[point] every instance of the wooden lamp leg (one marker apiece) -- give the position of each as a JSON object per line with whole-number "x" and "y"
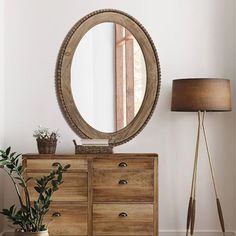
{"x": 220, "y": 213}
{"x": 192, "y": 199}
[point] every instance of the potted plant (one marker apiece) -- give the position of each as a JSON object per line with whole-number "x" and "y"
{"x": 29, "y": 215}
{"x": 46, "y": 140}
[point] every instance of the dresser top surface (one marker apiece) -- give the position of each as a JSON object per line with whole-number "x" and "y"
{"x": 77, "y": 156}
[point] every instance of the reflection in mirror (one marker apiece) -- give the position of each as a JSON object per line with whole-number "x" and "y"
{"x": 108, "y": 77}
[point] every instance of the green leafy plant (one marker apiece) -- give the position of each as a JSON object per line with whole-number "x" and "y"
{"x": 29, "y": 215}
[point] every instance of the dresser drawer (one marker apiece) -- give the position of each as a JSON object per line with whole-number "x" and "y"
{"x": 74, "y": 187}
{"x": 67, "y": 219}
{"x": 123, "y": 219}
{"x": 45, "y": 165}
{"x": 123, "y": 164}
{"x": 123, "y": 186}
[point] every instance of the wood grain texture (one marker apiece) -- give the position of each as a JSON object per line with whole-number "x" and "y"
{"x": 74, "y": 188}
{"x": 156, "y": 201}
{"x": 91, "y": 198}
{"x": 86, "y": 157}
{"x": 115, "y": 164}
{"x": 107, "y": 186}
{"x": 139, "y": 219}
{"x": 72, "y": 219}
{"x": 47, "y": 165}
{"x": 63, "y": 76}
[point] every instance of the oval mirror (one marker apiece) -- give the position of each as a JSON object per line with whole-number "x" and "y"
{"x": 107, "y": 76}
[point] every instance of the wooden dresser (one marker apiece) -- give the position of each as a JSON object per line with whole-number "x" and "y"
{"x": 115, "y": 194}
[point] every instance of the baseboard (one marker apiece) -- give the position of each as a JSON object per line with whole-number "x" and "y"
{"x": 166, "y": 233}
{"x": 197, "y": 233}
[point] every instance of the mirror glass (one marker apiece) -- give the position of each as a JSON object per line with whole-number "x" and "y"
{"x": 108, "y": 77}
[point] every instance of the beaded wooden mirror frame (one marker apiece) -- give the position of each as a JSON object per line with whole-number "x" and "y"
{"x": 63, "y": 76}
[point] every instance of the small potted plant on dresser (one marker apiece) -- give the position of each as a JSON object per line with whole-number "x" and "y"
{"x": 29, "y": 216}
{"x": 46, "y": 140}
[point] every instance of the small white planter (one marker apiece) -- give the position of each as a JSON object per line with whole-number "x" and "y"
{"x": 41, "y": 233}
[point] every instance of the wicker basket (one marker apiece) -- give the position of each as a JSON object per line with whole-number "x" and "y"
{"x": 83, "y": 149}
{"x": 46, "y": 146}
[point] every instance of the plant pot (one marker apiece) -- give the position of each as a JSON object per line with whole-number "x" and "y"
{"x": 40, "y": 233}
{"x": 46, "y": 146}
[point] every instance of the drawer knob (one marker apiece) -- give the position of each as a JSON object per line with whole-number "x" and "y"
{"x": 123, "y": 214}
{"x": 123, "y": 164}
{"x": 123, "y": 182}
{"x": 56, "y": 214}
{"x": 55, "y": 164}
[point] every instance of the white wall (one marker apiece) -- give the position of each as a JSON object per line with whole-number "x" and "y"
{"x": 194, "y": 38}
{"x": 1, "y": 98}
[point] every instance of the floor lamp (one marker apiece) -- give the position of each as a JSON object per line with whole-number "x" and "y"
{"x": 201, "y": 95}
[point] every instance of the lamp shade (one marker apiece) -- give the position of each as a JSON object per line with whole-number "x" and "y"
{"x": 201, "y": 94}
